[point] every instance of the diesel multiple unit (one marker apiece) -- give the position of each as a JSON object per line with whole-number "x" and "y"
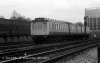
{"x": 49, "y": 29}
{"x": 14, "y": 30}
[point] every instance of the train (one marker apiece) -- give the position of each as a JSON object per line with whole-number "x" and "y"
{"x": 40, "y": 30}
{"x": 12, "y": 30}
{"x": 55, "y": 30}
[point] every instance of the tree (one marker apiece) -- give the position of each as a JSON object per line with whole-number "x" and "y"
{"x": 80, "y": 24}
{"x": 15, "y": 15}
{"x": 28, "y": 19}
{"x": 2, "y": 17}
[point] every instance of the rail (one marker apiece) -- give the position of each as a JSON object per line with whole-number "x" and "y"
{"x": 46, "y": 49}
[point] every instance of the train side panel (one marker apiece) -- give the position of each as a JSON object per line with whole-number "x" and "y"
{"x": 73, "y": 30}
{"x": 58, "y": 28}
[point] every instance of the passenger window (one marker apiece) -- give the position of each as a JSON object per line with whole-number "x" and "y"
{"x": 61, "y": 27}
{"x": 57, "y": 26}
{"x": 64, "y": 27}
{"x": 33, "y": 25}
{"x": 49, "y": 26}
{"x": 52, "y": 26}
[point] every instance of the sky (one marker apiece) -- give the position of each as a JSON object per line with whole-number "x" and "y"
{"x": 66, "y": 10}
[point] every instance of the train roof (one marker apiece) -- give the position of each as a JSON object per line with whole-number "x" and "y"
{"x": 51, "y": 20}
{"x": 14, "y": 20}
{"x": 48, "y": 20}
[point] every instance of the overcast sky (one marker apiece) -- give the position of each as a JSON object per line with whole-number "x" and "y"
{"x": 68, "y": 10}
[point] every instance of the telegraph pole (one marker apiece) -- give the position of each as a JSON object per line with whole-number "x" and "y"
{"x": 85, "y": 24}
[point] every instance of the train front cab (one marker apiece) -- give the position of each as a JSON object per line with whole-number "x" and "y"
{"x": 39, "y": 30}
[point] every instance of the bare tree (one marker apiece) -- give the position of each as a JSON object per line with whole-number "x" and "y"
{"x": 15, "y": 15}
{"x": 80, "y": 24}
{"x": 28, "y": 19}
{"x": 2, "y": 17}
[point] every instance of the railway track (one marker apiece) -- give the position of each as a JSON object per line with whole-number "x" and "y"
{"x": 18, "y": 45}
{"x": 11, "y": 45}
{"x": 22, "y": 46}
{"x": 55, "y": 57}
{"x": 35, "y": 51}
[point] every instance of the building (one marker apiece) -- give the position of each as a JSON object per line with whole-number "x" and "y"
{"x": 93, "y": 20}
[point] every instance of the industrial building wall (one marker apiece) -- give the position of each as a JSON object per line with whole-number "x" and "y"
{"x": 93, "y": 20}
